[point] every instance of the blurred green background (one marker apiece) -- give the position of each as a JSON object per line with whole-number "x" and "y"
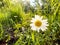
{"x": 15, "y": 19}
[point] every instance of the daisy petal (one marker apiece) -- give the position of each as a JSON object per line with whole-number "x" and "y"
{"x": 38, "y": 23}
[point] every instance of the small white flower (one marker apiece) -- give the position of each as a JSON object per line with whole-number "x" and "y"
{"x": 38, "y": 23}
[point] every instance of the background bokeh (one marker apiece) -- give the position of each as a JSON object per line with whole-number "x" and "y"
{"x": 15, "y": 19}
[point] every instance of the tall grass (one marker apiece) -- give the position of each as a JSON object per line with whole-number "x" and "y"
{"x": 15, "y": 23}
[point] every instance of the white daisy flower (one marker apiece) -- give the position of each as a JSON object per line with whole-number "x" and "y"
{"x": 38, "y": 23}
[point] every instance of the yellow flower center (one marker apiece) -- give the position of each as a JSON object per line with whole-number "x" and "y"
{"x": 38, "y": 23}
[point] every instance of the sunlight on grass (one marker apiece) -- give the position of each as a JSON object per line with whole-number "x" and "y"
{"x": 17, "y": 15}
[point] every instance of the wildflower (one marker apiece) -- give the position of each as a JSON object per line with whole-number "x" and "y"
{"x": 38, "y": 23}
